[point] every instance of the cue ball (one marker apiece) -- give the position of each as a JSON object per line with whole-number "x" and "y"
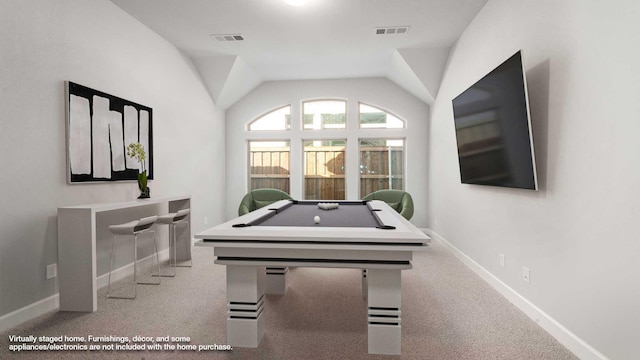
{"x": 316, "y": 219}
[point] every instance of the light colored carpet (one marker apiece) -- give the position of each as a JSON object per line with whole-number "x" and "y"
{"x": 448, "y": 312}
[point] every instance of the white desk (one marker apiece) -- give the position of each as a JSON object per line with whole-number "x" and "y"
{"x": 284, "y": 234}
{"x": 77, "y": 236}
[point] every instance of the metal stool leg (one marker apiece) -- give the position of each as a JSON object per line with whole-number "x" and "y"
{"x": 174, "y": 243}
{"x": 134, "y": 228}
{"x": 172, "y": 248}
{"x": 155, "y": 246}
{"x": 113, "y": 245}
{"x": 135, "y": 293}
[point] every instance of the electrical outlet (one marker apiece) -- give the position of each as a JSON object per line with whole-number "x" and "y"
{"x": 502, "y": 260}
{"x": 206, "y": 220}
{"x": 526, "y": 275}
{"x": 52, "y": 271}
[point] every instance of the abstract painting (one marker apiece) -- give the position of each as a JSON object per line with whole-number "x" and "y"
{"x": 99, "y": 129}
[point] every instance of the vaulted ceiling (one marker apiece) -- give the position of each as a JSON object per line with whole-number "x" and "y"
{"x": 324, "y": 39}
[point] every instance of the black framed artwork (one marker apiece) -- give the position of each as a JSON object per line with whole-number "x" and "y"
{"x": 99, "y": 129}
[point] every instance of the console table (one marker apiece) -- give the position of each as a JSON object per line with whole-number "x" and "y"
{"x": 78, "y": 231}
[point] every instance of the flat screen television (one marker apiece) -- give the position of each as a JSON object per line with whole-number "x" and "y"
{"x": 493, "y": 129}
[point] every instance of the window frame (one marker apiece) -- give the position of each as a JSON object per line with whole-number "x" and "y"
{"x": 342, "y": 176}
{"x": 404, "y": 122}
{"x": 250, "y": 176}
{"x": 322, "y": 127}
{"x": 259, "y": 117}
{"x": 389, "y": 176}
{"x": 352, "y": 134}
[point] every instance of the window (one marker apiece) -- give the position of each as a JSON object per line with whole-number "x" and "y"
{"x": 302, "y": 150}
{"x": 374, "y": 118}
{"x": 279, "y": 119}
{"x": 269, "y": 165}
{"x": 381, "y": 165}
{"x": 324, "y": 114}
{"x": 324, "y": 163}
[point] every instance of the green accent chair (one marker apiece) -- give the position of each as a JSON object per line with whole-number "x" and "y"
{"x": 255, "y": 199}
{"x": 399, "y": 200}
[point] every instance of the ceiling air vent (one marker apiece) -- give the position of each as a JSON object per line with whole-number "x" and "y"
{"x": 227, "y": 37}
{"x": 391, "y": 30}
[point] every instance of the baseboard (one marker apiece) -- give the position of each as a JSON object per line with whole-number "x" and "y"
{"x": 568, "y": 339}
{"x": 52, "y": 302}
{"x": 29, "y": 312}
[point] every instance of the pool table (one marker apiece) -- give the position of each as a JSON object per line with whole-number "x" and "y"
{"x": 362, "y": 235}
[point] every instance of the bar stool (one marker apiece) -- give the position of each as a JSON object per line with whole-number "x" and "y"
{"x": 174, "y": 219}
{"x": 134, "y": 228}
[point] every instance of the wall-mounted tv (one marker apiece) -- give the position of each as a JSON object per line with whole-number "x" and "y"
{"x": 493, "y": 129}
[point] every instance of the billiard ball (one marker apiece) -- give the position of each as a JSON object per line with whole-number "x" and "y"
{"x": 316, "y": 219}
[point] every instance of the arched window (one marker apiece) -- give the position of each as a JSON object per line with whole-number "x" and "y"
{"x": 374, "y": 118}
{"x": 279, "y": 119}
{"x": 324, "y": 114}
{"x": 312, "y": 157}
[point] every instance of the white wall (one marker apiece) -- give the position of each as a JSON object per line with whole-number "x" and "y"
{"x": 378, "y": 92}
{"x": 93, "y": 43}
{"x": 578, "y": 233}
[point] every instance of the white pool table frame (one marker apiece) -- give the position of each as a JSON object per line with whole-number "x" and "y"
{"x": 383, "y": 254}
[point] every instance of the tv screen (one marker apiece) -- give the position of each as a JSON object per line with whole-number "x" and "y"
{"x": 493, "y": 129}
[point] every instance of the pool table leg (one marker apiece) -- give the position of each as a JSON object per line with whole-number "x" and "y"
{"x": 245, "y": 305}
{"x": 276, "y": 280}
{"x": 384, "y": 311}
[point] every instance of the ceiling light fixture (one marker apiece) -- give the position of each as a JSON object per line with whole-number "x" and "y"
{"x": 295, "y": 2}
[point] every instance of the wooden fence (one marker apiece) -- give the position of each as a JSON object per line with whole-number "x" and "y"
{"x": 270, "y": 169}
{"x": 325, "y": 171}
